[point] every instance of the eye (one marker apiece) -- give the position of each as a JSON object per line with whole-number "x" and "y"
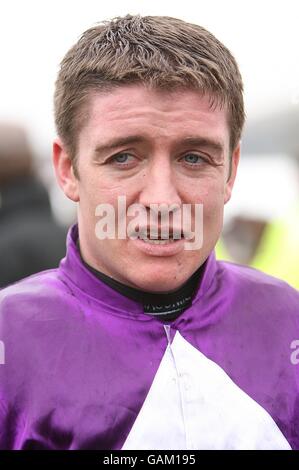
{"x": 193, "y": 159}
{"x": 121, "y": 158}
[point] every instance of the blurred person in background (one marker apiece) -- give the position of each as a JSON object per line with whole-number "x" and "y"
{"x": 262, "y": 223}
{"x": 30, "y": 239}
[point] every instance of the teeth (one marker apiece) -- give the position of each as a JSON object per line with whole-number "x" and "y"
{"x": 158, "y": 242}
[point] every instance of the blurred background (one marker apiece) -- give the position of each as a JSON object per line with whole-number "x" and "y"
{"x": 261, "y": 220}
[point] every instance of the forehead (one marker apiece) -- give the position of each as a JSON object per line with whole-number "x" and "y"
{"x": 154, "y": 114}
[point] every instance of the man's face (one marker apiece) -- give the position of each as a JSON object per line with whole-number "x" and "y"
{"x": 152, "y": 147}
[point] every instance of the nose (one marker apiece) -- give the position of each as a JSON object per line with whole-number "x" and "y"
{"x": 160, "y": 186}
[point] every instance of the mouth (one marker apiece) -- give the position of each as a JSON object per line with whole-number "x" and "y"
{"x": 159, "y": 243}
{"x": 160, "y": 238}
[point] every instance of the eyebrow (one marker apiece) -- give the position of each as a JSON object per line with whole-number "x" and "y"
{"x": 205, "y": 142}
{"x": 194, "y": 141}
{"x": 115, "y": 143}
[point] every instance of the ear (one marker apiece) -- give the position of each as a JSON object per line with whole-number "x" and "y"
{"x": 234, "y": 166}
{"x": 64, "y": 171}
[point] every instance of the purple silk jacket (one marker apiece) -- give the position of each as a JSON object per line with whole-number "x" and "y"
{"x": 82, "y": 367}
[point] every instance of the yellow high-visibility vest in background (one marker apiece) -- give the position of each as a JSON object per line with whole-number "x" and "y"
{"x": 278, "y": 251}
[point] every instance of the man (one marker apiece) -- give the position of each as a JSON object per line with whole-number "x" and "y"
{"x": 141, "y": 341}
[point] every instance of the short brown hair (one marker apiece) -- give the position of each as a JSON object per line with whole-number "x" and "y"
{"x": 160, "y": 51}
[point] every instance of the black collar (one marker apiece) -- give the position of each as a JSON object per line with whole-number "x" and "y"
{"x": 165, "y": 306}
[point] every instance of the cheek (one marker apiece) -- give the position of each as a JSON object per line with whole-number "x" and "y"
{"x": 208, "y": 191}
{"x": 97, "y": 190}
{"x": 211, "y": 195}
{"x": 213, "y": 207}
